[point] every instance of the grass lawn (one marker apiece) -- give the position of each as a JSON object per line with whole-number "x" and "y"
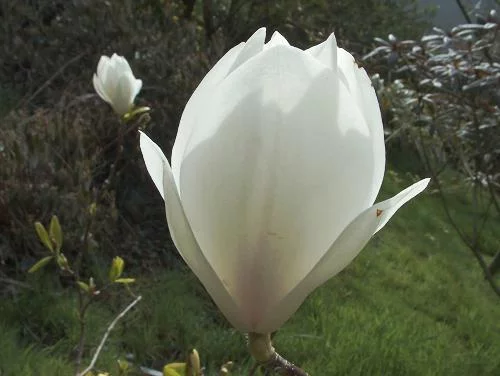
{"x": 413, "y": 303}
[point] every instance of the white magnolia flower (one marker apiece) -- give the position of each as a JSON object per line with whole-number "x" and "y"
{"x": 277, "y": 163}
{"x": 115, "y": 83}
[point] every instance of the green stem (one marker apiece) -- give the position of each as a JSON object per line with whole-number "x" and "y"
{"x": 263, "y": 352}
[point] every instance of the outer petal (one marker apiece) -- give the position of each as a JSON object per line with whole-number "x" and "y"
{"x": 102, "y": 67}
{"x": 137, "y": 86}
{"x": 361, "y": 89}
{"x": 276, "y": 40}
{"x": 120, "y": 64}
{"x": 326, "y": 52}
{"x": 253, "y": 46}
{"x": 154, "y": 160}
{"x": 123, "y": 96}
{"x": 196, "y": 105}
{"x": 99, "y": 89}
{"x": 264, "y": 177}
{"x": 198, "y": 101}
{"x": 341, "y": 253}
{"x": 182, "y": 235}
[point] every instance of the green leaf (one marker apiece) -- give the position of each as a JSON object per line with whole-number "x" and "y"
{"x": 174, "y": 369}
{"x": 134, "y": 112}
{"x": 125, "y": 281}
{"x": 123, "y": 365}
{"x": 225, "y": 370}
{"x": 116, "y": 269}
{"x": 43, "y": 236}
{"x": 62, "y": 261}
{"x": 92, "y": 209}
{"x": 83, "y": 286}
{"x": 40, "y": 264}
{"x": 55, "y": 233}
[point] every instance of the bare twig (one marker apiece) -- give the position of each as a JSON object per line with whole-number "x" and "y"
{"x": 464, "y": 11}
{"x": 470, "y": 243}
{"x": 48, "y": 82}
{"x": 11, "y": 281}
{"x": 106, "y": 335}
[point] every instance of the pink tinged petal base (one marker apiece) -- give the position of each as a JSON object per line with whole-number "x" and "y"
{"x": 347, "y": 246}
{"x": 264, "y": 177}
{"x": 182, "y": 235}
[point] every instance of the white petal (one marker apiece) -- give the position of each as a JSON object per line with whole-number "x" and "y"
{"x": 341, "y": 253}
{"x": 102, "y": 67}
{"x": 196, "y": 104}
{"x": 326, "y": 52}
{"x": 99, "y": 89}
{"x": 264, "y": 176}
{"x": 361, "y": 89}
{"x": 276, "y": 40}
{"x": 122, "y": 99}
{"x": 154, "y": 160}
{"x": 111, "y": 78}
{"x": 253, "y": 46}
{"x": 120, "y": 64}
{"x": 182, "y": 235}
{"x": 137, "y": 86}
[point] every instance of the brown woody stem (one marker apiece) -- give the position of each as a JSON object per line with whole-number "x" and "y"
{"x": 263, "y": 352}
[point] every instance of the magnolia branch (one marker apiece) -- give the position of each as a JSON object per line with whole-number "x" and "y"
{"x": 106, "y": 335}
{"x": 267, "y": 358}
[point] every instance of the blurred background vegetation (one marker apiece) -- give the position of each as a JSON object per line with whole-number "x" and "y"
{"x": 416, "y": 301}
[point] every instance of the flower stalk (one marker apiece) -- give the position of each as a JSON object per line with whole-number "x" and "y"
{"x": 263, "y": 352}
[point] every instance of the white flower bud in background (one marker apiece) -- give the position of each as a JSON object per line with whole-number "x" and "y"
{"x": 115, "y": 83}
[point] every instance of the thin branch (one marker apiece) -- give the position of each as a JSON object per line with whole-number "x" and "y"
{"x": 16, "y": 283}
{"x": 471, "y": 245}
{"x": 106, "y": 335}
{"x": 464, "y": 11}
{"x": 49, "y": 81}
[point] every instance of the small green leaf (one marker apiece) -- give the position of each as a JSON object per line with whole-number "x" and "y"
{"x": 55, "y": 233}
{"x": 174, "y": 369}
{"x": 92, "y": 209}
{"x": 134, "y": 112}
{"x": 123, "y": 365}
{"x": 83, "y": 286}
{"x": 125, "y": 281}
{"x": 225, "y": 370}
{"x": 43, "y": 236}
{"x": 40, "y": 264}
{"x": 62, "y": 261}
{"x": 116, "y": 269}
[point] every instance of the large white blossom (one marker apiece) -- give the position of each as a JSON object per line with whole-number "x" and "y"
{"x": 277, "y": 163}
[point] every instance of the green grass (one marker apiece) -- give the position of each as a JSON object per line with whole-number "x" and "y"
{"x": 413, "y": 303}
